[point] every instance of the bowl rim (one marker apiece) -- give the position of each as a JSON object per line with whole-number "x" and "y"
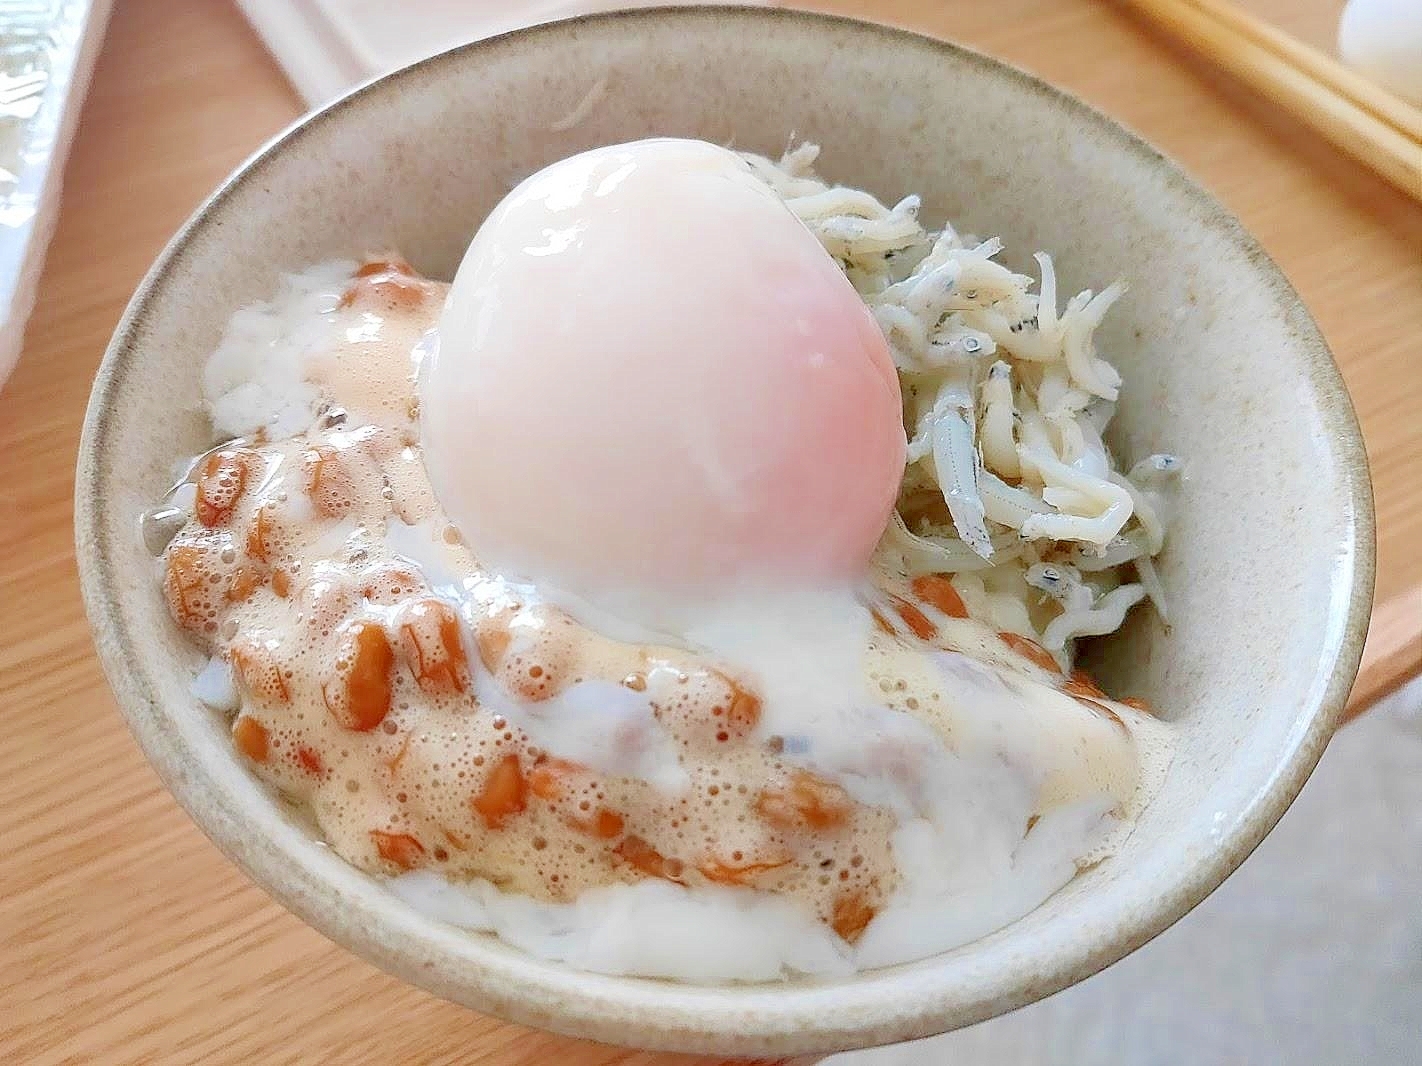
{"x": 754, "y": 1019}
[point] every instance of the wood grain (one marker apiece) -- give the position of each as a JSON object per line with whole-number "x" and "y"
{"x": 125, "y": 937}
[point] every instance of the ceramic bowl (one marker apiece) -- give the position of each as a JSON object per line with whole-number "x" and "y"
{"x": 1270, "y": 561}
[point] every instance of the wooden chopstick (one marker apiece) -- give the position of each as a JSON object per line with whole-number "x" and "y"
{"x": 1367, "y": 122}
{"x": 1346, "y": 82}
{"x": 1393, "y": 654}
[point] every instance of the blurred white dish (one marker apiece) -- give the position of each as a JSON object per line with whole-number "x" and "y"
{"x": 327, "y": 46}
{"x": 1383, "y": 39}
{"x": 47, "y": 53}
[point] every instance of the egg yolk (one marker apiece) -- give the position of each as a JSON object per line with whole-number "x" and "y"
{"x": 652, "y": 384}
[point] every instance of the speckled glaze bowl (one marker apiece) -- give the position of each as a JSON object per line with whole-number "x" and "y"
{"x": 1269, "y": 566}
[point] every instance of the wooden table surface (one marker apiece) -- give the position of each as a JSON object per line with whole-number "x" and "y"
{"x": 124, "y": 935}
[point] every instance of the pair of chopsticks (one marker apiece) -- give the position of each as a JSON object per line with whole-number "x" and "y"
{"x": 1366, "y": 121}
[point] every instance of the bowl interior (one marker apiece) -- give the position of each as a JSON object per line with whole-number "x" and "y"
{"x": 1269, "y": 562}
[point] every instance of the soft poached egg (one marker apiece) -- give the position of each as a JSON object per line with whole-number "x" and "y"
{"x": 654, "y": 389}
